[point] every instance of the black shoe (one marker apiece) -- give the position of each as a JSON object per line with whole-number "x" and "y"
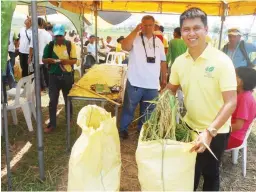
{"x": 124, "y": 134}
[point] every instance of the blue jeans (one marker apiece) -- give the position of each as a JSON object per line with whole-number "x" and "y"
{"x": 134, "y": 96}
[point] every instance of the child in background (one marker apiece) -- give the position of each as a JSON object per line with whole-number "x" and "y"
{"x": 246, "y": 106}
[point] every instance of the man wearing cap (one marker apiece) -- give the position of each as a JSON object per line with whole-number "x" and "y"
{"x": 238, "y": 50}
{"x": 146, "y": 63}
{"x": 60, "y": 55}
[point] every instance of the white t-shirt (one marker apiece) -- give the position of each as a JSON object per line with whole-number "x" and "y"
{"x": 143, "y": 74}
{"x": 44, "y": 38}
{"x": 11, "y": 47}
{"x": 110, "y": 43}
{"x": 24, "y": 40}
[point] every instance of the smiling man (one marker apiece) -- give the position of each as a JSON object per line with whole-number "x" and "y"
{"x": 208, "y": 80}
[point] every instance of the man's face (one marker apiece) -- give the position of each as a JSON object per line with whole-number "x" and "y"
{"x": 194, "y": 32}
{"x": 28, "y": 22}
{"x": 92, "y": 40}
{"x": 234, "y": 39}
{"x": 59, "y": 38}
{"x": 148, "y": 26}
{"x": 109, "y": 39}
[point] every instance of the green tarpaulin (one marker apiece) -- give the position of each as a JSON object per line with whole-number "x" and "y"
{"x": 7, "y": 9}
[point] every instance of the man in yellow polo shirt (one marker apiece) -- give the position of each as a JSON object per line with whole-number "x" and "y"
{"x": 208, "y": 80}
{"x": 60, "y": 55}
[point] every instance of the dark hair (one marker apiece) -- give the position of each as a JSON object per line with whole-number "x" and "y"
{"x": 161, "y": 28}
{"x": 41, "y": 22}
{"x": 248, "y": 76}
{"x": 177, "y": 31}
{"x": 92, "y": 36}
{"x": 48, "y": 26}
{"x": 193, "y": 13}
{"x": 147, "y": 17}
{"x": 120, "y": 39}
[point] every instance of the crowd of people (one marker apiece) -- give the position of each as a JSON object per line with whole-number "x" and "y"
{"x": 217, "y": 84}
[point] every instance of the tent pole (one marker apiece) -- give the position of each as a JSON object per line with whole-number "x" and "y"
{"x": 223, "y": 17}
{"x": 96, "y": 30}
{"x": 6, "y": 135}
{"x": 82, "y": 44}
{"x": 39, "y": 122}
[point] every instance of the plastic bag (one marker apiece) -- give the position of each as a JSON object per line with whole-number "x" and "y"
{"x": 95, "y": 161}
{"x": 165, "y": 165}
{"x": 17, "y": 71}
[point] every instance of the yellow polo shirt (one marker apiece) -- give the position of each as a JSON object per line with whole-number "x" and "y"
{"x": 202, "y": 82}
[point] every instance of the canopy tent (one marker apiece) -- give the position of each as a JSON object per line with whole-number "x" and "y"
{"x": 211, "y": 7}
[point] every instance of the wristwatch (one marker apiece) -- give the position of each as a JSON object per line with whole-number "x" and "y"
{"x": 213, "y": 132}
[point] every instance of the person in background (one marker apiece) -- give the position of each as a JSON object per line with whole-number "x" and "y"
{"x": 119, "y": 44}
{"x": 60, "y": 55}
{"x": 91, "y": 48}
{"x": 12, "y": 48}
{"x": 25, "y": 36}
{"x": 165, "y": 42}
{"x": 238, "y": 50}
{"x": 48, "y": 28}
{"x": 44, "y": 38}
{"x": 108, "y": 44}
{"x": 119, "y": 49}
{"x": 146, "y": 64}
{"x": 246, "y": 106}
{"x": 208, "y": 80}
{"x": 176, "y": 48}
{"x": 157, "y": 31}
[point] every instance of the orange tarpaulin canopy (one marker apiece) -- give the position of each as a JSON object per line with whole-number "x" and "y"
{"x": 211, "y": 7}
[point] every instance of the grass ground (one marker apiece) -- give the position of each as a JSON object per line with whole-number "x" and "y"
{"x": 25, "y": 174}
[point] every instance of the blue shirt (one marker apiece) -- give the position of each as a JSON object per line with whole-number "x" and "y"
{"x": 238, "y": 58}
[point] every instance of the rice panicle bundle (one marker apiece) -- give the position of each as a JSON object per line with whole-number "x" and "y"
{"x": 162, "y": 121}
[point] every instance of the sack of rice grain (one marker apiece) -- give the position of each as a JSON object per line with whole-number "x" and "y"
{"x": 163, "y": 157}
{"x": 95, "y": 161}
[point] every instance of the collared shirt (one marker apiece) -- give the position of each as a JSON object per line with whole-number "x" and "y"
{"x": 238, "y": 58}
{"x": 202, "y": 82}
{"x": 43, "y": 39}
{"x": 143, "y": 74}
{"x": 25, "y": 40}
{"x": 60, "y": 52}
{"x": 91, "y": 48}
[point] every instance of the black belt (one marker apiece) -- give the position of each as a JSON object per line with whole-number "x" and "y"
{"x": 62, "y": 74}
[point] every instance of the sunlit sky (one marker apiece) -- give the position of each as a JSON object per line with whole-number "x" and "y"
{"x": 245, "y": 23}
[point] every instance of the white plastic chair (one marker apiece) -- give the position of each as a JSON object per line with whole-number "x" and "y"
{"x": 22, "y": 102}
{"x": 116, "y": 57}
{"x": 235, "y": 151}
{"x": 12, "y": 92}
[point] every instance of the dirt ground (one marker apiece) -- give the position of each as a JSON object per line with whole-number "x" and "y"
{"x": 231, "y": 175}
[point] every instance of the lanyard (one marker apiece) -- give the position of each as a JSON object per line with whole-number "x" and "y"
{"x": 145, "y": 47}
{"x": 232, "y": 54}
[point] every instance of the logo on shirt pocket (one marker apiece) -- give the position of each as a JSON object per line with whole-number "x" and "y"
{"x": 209, "y": 71}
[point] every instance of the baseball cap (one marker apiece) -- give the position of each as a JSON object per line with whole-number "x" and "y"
{"x": 157, "y": 23}
{"x": 234, "y": 31}
{"x": 58, "y": 29}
